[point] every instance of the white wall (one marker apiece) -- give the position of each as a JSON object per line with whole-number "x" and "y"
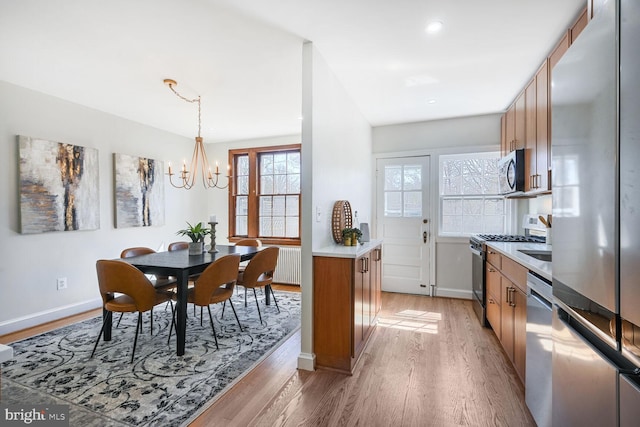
{"x": 337, "y": 165}
{"x": 451, "y": 260}
{"x": 30, "y": 264}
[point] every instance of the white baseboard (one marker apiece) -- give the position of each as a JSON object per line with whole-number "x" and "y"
{"x": 307, "y": 361}
{"x": 453, "y": 293}
{"x": 42, "y": 317}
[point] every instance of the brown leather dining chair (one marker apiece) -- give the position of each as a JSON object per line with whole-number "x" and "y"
{"x": 215, "y": 285}
{"x": 160, "y": 282}
{"x": 177, "y": 246}
{"x": 259, "y": 273}
{"x": 137, "y": 294}
{"x": 256, "y": 243}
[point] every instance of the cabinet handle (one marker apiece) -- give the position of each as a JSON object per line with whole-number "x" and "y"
{"x": 366, "y": 265}
{"x": 378, "y": 254}
{"x": 491, "y": 270}
{"x": 491, "y": 301}
{"x": 492, "y": 253}
{"x": 510, "y": 293}
{"x": 538, "y": 180}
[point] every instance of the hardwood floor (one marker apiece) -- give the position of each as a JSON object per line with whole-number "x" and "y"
{"x": 429, "y": 363}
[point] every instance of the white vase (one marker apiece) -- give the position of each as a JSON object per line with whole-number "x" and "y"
{"x": 195, "y": 248}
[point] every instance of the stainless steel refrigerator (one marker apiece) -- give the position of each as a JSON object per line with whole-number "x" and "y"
{"x": 596, "y": 212}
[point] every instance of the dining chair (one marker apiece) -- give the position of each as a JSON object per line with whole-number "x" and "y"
{"x": 177, "y": 246}
{"x": 160, "y": 282}
{"x": 136, "y": 294}
{"x": 215, "y": 285}
{"x": 259, "y": 273}
{"x": 256, "y": 243}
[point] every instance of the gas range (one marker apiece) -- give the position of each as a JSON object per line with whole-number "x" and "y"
{"x": 481, "y": 238}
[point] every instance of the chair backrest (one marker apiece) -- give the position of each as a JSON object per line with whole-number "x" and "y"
{"x": 118, "y": 276}
{"x": 223, "y": 271}
{"x": 178, "y": 246}
{"x": 249, "y": 242}
{"x": 139, "y": 250}
{"x": 259, "y": 271}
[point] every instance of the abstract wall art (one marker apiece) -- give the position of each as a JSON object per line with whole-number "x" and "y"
{"x": 58, "y": 186}
{"x": 139, "y": 191}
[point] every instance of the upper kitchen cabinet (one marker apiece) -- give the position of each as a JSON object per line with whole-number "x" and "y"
{"x": 514, "y": 126}
{"x": 593, "y": 6}
{"x": 579, "y": 25}
{"x": 559, "y": 50}
{"x": 543, "y": 161}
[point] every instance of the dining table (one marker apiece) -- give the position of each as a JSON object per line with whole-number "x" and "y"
{"x": 180, "y": 264}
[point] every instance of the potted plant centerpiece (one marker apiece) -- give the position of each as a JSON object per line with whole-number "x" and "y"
{"x": 356, "y": 234}
{"x": 197, "y": 234}
{"x": 347, "y": 233}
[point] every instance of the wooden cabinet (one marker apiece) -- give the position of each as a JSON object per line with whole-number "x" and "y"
{"x": 514, "y": 125}
{"x": 543, "y": 143}
{"x": 578, "y": 26}
{"x": 346, "y": 302}
{"x": 531, "y": 127}
{"x": 507, "y": 306}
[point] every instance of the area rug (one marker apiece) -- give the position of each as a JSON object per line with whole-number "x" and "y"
{"x": 158, "y": 388}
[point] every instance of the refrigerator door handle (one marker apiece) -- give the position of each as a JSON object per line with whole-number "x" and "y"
{"x": 634, "y": 372}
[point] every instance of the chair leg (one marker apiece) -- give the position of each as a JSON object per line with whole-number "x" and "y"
{"x": 234, "y": 313}
{"x": 257, "y": 305}
{"x": 135, "y": 340}
{"x": 274, "y": 297}
{"x": 119, "y": 319}
{"x": 245, "y": 295}
{"x": 151, "y": 311}
{"x": 173, "y": 322}
{"x": 224, "y": 304}
{"x": 201, "y": 315}
{"x": 104, "y": 322}
{"x": 212, "y": 328}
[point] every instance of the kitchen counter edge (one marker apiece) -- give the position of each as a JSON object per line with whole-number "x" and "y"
{"x": 341, "y": 251}
{"x": 511, "y": 250}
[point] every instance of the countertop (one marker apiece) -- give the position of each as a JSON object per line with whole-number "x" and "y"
{"x": 341, "y": 251}
{"x": 510, "y": 249}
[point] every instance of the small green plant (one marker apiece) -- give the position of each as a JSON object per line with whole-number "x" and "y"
{"x": 347, "y": 233}
{"x": 196, "y": 232}
{"x": 356, "y": 234}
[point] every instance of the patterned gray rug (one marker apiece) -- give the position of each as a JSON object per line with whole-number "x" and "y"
{"x": 158, "y": 388}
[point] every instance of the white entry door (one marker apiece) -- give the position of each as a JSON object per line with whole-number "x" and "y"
{"x": 404, "y": 224}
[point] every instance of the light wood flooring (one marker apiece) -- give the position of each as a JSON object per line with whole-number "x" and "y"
{"x": 428, "y": 363}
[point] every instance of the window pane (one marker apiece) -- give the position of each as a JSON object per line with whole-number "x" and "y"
{"x": 451, "y": 223}
{"x": 280, "y": 163}
{"x": 266, "y": 164}
{"x": 393, "y": 203}
{"x": 266, "y": 184}
{"x": 291, "y": 227}
{"x": 280, "y": 184}
{"x": 293, "y": 183}
{"x": 412, "y": 178}
{"x": 293, "y": 205}
{"x": 266, "y": 206}
{"x": 293, "y": 163}
{"x": 241, "y": 226}
{"x": 278, "y": 206}
{"x": 243, "y": 185}
{"x": 242, "y": 206}
{"x": 452, "y": 207}
{"x": 392, "y": 178}
{"x": 412, "y": 203}
{"x": 278, "y": 226}
{"x": 242, "y": 165}
{"x": 472, "y": 206}
{"x": 265, "y": 227}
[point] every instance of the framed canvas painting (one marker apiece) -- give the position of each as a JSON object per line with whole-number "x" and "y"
{"x": 58, "y": 186}
{"x": 139, "y": 191}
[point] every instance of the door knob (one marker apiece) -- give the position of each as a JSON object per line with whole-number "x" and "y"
{"x": 424, "y": 236}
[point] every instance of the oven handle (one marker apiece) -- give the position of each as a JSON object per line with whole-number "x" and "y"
{"x": 475, "y": 251}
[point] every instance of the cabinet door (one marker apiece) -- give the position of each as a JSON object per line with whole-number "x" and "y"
{"x": 510, "y": 130}
{"x": 504, "y": 145}
{"x": 530, "y": 136}
{"x": 558, "y": 51}
{"x": 494, "y": 290}
{"x": 376, "y": 282}
{"x": 508, "y": 289}
{"x": 367, "y": 297}
{"x": 579, "y": 25}
{"x": 542, "y": 128}
{"x": 519, "y": 119}
{"x": 358, "y": 306}
{"x": 520, "y": 332}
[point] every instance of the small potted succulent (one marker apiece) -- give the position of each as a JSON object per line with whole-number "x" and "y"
{"x": 350, "y": 236}
{"x": 356, "y": 234}
{"x": 197, "y": 234}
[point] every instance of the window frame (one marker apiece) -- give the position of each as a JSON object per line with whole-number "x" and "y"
{"x": 253, "y": 197}
{"x": 441, "y": 197}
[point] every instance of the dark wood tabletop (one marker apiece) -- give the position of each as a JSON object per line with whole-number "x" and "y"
{"x": 181, "y": 265}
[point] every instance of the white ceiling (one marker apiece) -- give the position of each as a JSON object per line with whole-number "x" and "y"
{"x": 244, "y": 57}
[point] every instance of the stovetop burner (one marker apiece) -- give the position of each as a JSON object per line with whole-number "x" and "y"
{"x": 510, "y": 238}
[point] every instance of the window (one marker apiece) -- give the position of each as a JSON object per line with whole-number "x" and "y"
{"x": 265, "y": 199}
{"x": 403, "y": 190}
{"x": 469, "y": 199}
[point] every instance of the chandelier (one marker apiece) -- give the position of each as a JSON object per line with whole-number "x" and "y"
{"x": 187, "y": 177}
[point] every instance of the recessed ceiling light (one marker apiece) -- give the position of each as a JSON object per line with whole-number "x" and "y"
{"x": 431, "y": 101}
{"x": 434, "y": 27}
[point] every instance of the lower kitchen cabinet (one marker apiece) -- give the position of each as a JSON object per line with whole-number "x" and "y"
{"x": 507, "y": 308}
{"x": 346, "y": 302}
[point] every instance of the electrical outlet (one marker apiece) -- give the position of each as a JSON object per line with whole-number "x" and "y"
{"x": 62, "y": 283}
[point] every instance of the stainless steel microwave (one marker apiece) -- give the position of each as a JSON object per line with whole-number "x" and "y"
{"x": 511, "y": 172}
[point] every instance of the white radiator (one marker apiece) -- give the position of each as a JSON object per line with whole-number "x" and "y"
{"x": 289, "y": 266}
